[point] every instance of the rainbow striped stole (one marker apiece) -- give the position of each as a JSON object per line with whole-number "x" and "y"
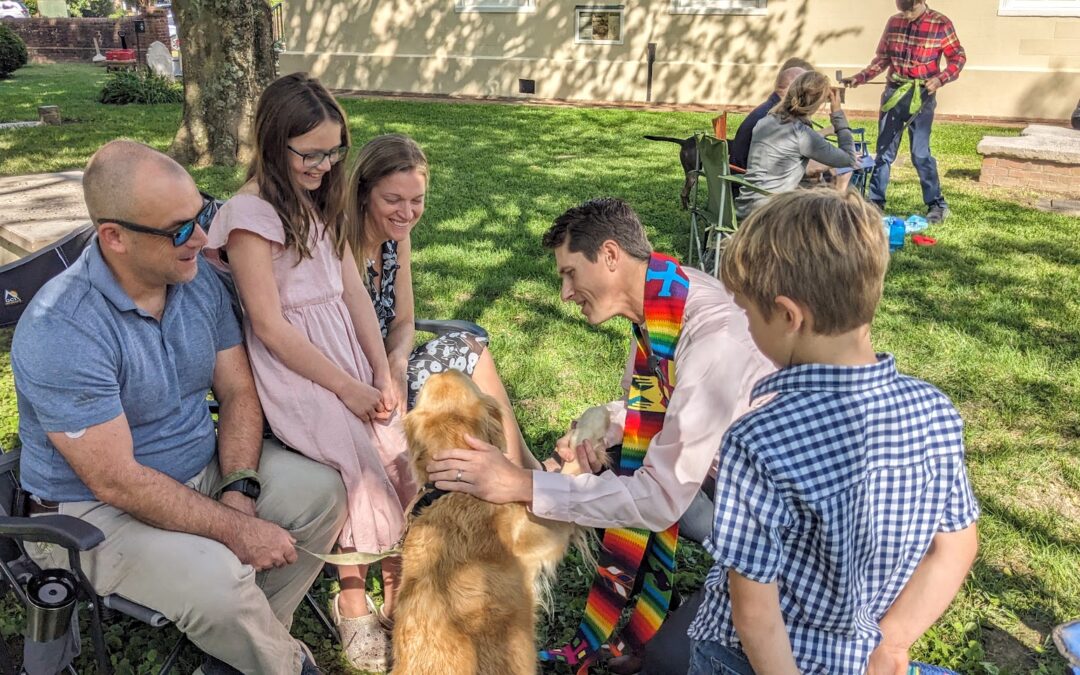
{"x": 630, "y": 553}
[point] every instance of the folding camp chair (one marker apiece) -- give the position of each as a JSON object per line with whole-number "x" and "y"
{"x": 18, "y": 572}
{"x": 860, "y": 174}
{"x": 713, "y": 217}
{"x": 24, "y": 277}
{"x": 860, "y": 179}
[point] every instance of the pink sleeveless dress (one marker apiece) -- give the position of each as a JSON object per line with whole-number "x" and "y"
{"x": 372, "y": 458}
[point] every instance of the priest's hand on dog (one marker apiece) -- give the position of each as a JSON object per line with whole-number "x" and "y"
{"x": 484, "y": 472}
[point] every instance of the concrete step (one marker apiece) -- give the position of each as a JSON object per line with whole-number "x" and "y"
{"x": 38, "y": 209}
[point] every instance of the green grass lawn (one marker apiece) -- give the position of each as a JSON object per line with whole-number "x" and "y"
{"x": 990, "y": 315}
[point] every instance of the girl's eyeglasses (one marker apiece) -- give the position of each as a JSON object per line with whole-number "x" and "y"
{"x": 314, "y": 159}
{"x": 179, "y": 234}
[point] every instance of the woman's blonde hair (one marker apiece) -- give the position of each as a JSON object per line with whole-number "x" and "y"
{"x": 803, "y": 97}
{"x": 292, "y": 106}
{"x": 380, "y": 157}
{"x": 824, "y": 249}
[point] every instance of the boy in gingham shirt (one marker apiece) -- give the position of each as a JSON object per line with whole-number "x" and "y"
{"x": 845, "y": 521}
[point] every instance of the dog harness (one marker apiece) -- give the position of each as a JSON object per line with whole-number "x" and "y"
{"x": 425, "y": 499}
{"x": 630, "y": 553}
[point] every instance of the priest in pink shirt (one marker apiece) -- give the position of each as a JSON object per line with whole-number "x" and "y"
{"x": 676, "y": 410}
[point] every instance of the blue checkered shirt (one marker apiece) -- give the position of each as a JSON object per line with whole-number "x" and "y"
{"x": 834, "y": 490}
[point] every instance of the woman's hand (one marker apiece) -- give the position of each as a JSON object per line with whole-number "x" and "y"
{"x": 482, "y": 471}
{"x": 388, "y": 396}
{"x": 399, "y": 378}
{"x": 834, "y": 99}
{"x": 362, "y": 400}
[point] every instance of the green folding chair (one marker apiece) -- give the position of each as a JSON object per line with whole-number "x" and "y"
{"x": 712, "y": 216}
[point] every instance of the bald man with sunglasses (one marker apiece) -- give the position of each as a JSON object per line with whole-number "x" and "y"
{"x": 113, "y": 360}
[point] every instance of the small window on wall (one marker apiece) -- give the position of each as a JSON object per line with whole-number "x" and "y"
{"x": 1039, "y": 8}
{"x": 599, "y": 25}
{"x": 718, "y": 6}
{"x": 505, "y": 6}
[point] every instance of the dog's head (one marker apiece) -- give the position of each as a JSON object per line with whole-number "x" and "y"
{"x": 449, "y": 406}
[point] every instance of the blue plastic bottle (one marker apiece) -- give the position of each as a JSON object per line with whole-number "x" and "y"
{"x": 896, "y": 229}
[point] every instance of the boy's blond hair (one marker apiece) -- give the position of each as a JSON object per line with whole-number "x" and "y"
{"x": 824, "y": 249}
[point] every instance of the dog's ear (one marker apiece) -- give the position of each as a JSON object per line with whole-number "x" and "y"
{"x": 416, "y": 430}
{"x": 491, "y": 428}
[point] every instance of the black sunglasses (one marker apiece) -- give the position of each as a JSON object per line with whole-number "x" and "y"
{"x": 179, "y": 234}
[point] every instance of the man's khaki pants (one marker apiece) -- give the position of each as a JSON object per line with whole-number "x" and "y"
{"x": 227, "y": 609}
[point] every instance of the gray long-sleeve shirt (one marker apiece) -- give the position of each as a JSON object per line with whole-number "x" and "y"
{"x": 780, "y": 151}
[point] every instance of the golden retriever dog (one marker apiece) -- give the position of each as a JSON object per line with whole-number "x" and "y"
{"x": 471, "y": 570}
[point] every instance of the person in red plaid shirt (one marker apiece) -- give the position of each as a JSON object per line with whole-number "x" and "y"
{"x": 911, "y": 49}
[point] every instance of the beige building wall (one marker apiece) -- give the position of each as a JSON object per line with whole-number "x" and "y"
{"x": 1018, "y": 66}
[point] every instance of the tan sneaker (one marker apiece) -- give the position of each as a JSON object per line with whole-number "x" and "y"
{"x": 363, "y": 640}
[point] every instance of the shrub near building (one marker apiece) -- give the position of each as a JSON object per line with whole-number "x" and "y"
{"x": 12, "y": 52}
{"x": 129, "y": 86}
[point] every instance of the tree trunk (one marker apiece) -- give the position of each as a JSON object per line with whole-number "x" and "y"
{"x": 228, "y": 58}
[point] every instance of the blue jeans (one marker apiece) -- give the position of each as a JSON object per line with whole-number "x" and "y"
{"x": 713, "y": 658}
{"x": 697, "y": 523}
{"x": 890, "y": 125}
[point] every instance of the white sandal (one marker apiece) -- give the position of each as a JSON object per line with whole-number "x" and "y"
{"x": 363, "y": 640}
{"x": 385, "y": 621}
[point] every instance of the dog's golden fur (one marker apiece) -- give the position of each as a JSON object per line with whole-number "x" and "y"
{"x": 470, "y": 569}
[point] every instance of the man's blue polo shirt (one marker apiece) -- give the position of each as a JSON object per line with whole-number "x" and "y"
{"x": 83, "y": 353}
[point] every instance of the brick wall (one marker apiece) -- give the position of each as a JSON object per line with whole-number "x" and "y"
{"x": 49, "y": 40}
{"x": 1030, "y": 173}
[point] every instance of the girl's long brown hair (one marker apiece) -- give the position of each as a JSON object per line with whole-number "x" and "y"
{"x": 379, "y": 158}
{"x": 803, "y": 97}
{"x": 292, "y": 106}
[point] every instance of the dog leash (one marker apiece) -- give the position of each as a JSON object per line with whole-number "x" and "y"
{"x": 354, "y": 558}
{"x": 423, "y": 500}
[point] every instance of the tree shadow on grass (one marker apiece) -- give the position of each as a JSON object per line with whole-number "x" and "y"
{"x": 1031, "y": 530}
{"x": 1007, "y": 289}
{"x": 1040, "y": 612}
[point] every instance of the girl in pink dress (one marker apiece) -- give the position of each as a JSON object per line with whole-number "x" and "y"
{"x": 312, "y": 334}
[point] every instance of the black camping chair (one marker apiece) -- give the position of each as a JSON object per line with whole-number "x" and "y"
{"x": 21, "y": 279}
{"x": 20, "y": 576}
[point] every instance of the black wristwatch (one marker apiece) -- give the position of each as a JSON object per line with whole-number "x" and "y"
{"x": 249, "y": 487}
